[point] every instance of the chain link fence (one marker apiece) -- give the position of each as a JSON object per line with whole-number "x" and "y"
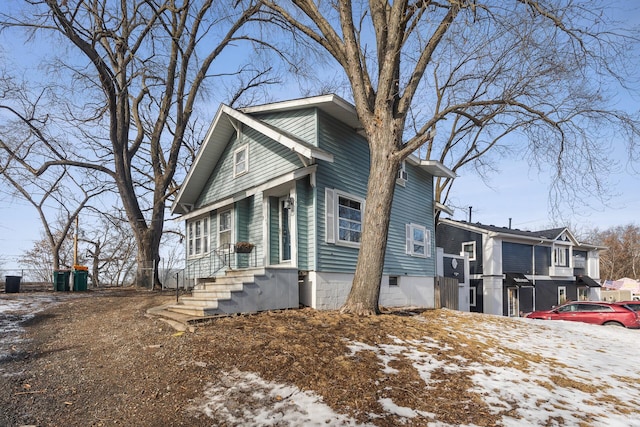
{"x": 33, "y": 279}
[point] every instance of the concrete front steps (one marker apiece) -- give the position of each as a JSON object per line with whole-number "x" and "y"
{"x": 241, "y": 291}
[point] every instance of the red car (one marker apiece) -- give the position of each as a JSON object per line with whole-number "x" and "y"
{"x": 633, "y": 305}
{"x": 598, "y": 313}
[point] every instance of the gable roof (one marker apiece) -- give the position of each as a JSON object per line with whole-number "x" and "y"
{"x": 219, "y": 134}
{"x": 331, "y": 104}
{"x": 549, "y": 236}
{"x": 224, "y": 126}
{"x": 342, "y": 110}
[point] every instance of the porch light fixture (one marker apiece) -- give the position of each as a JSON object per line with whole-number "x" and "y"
{"x": 289, "y": 203}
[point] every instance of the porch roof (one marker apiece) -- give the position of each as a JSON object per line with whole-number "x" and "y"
{"x": 518, "y": 280}
{"x": 584, "y": 280}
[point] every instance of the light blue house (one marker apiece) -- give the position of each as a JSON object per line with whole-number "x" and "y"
{"x": 290, "y": 179}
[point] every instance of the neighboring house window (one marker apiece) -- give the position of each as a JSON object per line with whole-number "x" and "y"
{"x": 403, "y": 176}
{"x": 344, "y": 214}
{"x": 418, "y": 241}
{"x": 241, "y": 161}
{"x": 560, "y": 256}
{"x": 198, "y": 237}
{"x": 583, "y": 294}
{"x": 470, "y": 249}
{"x": 472, "y": 296}
{"x": 225, "y": 227}
{"x": 513, "y": 302}
{"x": 562, "y": 294}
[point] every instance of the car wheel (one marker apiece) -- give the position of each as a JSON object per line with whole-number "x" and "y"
{"x": 613, "y": 324}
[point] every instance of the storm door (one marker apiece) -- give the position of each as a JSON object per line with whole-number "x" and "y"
{"x": 285, "y": 206}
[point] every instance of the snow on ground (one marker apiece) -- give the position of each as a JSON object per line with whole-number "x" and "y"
{"x": 15, "y": 309}
{"x": 593, "y": 375}
{"x": 595, "y": 371}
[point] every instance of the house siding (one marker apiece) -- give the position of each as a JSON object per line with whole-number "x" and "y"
{"x": 302, "y": 124}
{"x": 305, "y": 221}
{"x": 451, "y": 238}
{"x": 248, "y": 228}
{"x": 412, "y": 204}
{"x": 267, "y": 160}
{"x": 349, "y": 173}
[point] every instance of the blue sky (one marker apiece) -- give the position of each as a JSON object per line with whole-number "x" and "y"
{"x": 520, "y": 193}
{"x": 516, "y": 192}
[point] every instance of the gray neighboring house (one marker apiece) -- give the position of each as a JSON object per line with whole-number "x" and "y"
{"x": 288, "y": 181}
{"x": 516, "y": 271}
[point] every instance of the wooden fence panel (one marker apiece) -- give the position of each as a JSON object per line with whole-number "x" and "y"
{"x": 446, "y": 293}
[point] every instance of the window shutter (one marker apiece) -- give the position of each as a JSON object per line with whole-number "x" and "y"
{"x": 329, "y": 217}
{"x": 409, "y": 238}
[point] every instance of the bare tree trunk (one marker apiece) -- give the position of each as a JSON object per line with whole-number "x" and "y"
{"x": 365, "y": 290}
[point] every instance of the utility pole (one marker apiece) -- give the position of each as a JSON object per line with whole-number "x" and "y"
{"x": 75, "y": 242}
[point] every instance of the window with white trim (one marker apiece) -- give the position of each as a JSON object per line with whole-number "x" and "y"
{"x": 562, "y": 294}
{"x": 241, "y": 161}
{"x": 344, "y": 214}
{"x": 472, "y": 296}
{"x": 225, "y": 228}
{"x": 583, "y": 293}
{"x": 418, "y": 241}
{"x": 560, "y": 256}
{"x": 470, "y": 249}
{"x": 198, "y": 237}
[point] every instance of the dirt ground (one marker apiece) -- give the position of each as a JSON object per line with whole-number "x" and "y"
{"x": 99, "y": 359}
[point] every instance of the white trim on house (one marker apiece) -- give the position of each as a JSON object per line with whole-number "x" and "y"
{"x": 283, "y": 179}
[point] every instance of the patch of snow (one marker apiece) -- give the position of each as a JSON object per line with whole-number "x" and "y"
{"x": 246, "y": 399}
{"x": 15, "y": 309}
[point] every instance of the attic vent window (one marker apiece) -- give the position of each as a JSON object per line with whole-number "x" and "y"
{"x": 241, "y": 161}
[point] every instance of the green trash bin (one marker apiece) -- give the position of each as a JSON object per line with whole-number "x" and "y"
{"x": 61, "y": 280}
{"x": 80, "y": 280}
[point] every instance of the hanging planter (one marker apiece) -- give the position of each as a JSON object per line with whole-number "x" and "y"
{"x": 244, "y": 247}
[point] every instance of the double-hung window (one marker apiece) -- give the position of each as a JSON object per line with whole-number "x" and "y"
{"x": 344, "y": 217}
{"x": 198, "y": 237}
{"x": 560, "y": 256}
{"x": 418, "y": 241}
{"x": 225, "y": 227}
{"x": 241, "y": 161}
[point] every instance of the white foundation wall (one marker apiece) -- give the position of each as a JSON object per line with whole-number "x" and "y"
{"x": 329, "y": 291}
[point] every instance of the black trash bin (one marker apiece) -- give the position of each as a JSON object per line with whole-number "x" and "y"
{"x": 61, "y": 280}
{"x": 12, "y": 284}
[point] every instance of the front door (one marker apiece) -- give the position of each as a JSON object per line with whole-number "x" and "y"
{"x": 285, "y": 229}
